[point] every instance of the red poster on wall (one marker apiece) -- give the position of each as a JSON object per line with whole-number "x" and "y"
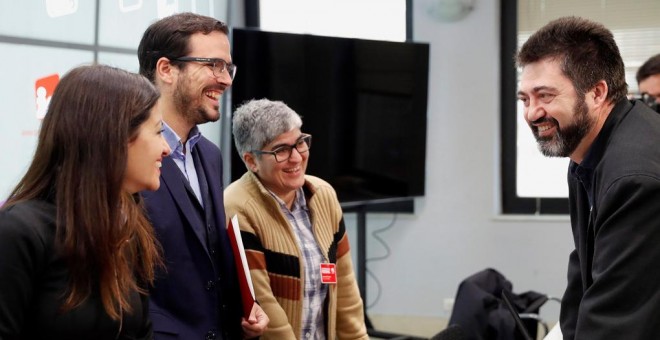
{"x": 43, "y": 91}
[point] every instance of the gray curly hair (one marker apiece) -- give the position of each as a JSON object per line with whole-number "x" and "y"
{"x": 256, "y": 123}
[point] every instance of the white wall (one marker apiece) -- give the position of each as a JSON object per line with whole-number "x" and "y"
{"x": 456, "y": 230}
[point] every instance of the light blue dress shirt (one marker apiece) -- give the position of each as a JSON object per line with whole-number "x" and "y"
{"x": 183, "y": 159}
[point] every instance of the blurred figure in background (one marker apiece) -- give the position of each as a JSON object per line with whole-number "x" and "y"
{"x": 648, "y": 80}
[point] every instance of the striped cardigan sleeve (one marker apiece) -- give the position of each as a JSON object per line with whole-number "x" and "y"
{"x": 271, "y": 289}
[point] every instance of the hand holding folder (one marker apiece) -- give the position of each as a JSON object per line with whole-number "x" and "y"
{"x": 242, "y": 269}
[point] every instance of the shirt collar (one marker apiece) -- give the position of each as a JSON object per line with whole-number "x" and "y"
{"x": 174, "y": 141}
{"x": 597, "y": 149}
{"x": 585, "y": 170}
{"x": 298, "y": 203}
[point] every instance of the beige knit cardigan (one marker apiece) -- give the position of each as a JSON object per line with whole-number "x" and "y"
{"x": 275, "y": 260}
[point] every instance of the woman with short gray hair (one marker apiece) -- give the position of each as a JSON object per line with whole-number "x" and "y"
{"x": 293, "y": 230}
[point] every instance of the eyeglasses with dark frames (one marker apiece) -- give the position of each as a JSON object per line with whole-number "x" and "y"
{"x": 216, "y": 64}
{"x": 283, "y": 153}
{"x": 651, "y": 101}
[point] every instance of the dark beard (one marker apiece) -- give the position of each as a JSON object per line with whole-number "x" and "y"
{"x": 566, "y": 139}
{"x": 185, "y": 105}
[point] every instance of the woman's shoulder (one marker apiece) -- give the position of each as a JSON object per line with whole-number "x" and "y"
{"x": 239, "y": 191}
{"x": 320, "y": 187}
{"x": 28, "y": 220}
{"x": 317, "y": 183}
{"x": 321, "y": 195}
{"x": 245, "y": 191}
{"x": 34, "y": 209}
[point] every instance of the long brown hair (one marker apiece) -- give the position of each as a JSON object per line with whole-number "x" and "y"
{"x": 79, "y": 165}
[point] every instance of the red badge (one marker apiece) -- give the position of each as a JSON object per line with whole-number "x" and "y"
{"x": 328, "y": 273}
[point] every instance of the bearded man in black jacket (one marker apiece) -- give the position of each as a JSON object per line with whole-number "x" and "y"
{"x": 574, "y": 94}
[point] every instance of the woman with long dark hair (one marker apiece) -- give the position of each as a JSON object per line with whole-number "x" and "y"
{"x": 76, "y": 250}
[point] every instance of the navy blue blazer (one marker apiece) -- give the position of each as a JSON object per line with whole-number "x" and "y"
{"x": 197, "y": 297}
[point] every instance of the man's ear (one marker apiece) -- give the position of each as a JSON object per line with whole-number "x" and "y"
{"x": 600, "y": 92}
{"x": 165, "y": 71}
{"x": 250, "y": 162}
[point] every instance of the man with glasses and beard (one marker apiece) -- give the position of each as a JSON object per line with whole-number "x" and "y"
{"x": 187, "y": 57}
{"x": 574, "y": 94}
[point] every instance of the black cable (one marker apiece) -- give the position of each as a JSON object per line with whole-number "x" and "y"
{"x": 375, "y": 235}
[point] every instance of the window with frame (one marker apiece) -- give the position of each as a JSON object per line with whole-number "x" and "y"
{"x": 388, "y": 19}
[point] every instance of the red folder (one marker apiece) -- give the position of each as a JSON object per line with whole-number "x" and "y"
{"x": 242, "y": 269}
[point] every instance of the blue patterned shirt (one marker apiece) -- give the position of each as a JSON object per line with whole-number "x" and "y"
{"x": 313, "y": 323}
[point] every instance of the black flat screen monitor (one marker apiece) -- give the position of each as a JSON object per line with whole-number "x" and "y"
{"x": 363, "y": 101}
